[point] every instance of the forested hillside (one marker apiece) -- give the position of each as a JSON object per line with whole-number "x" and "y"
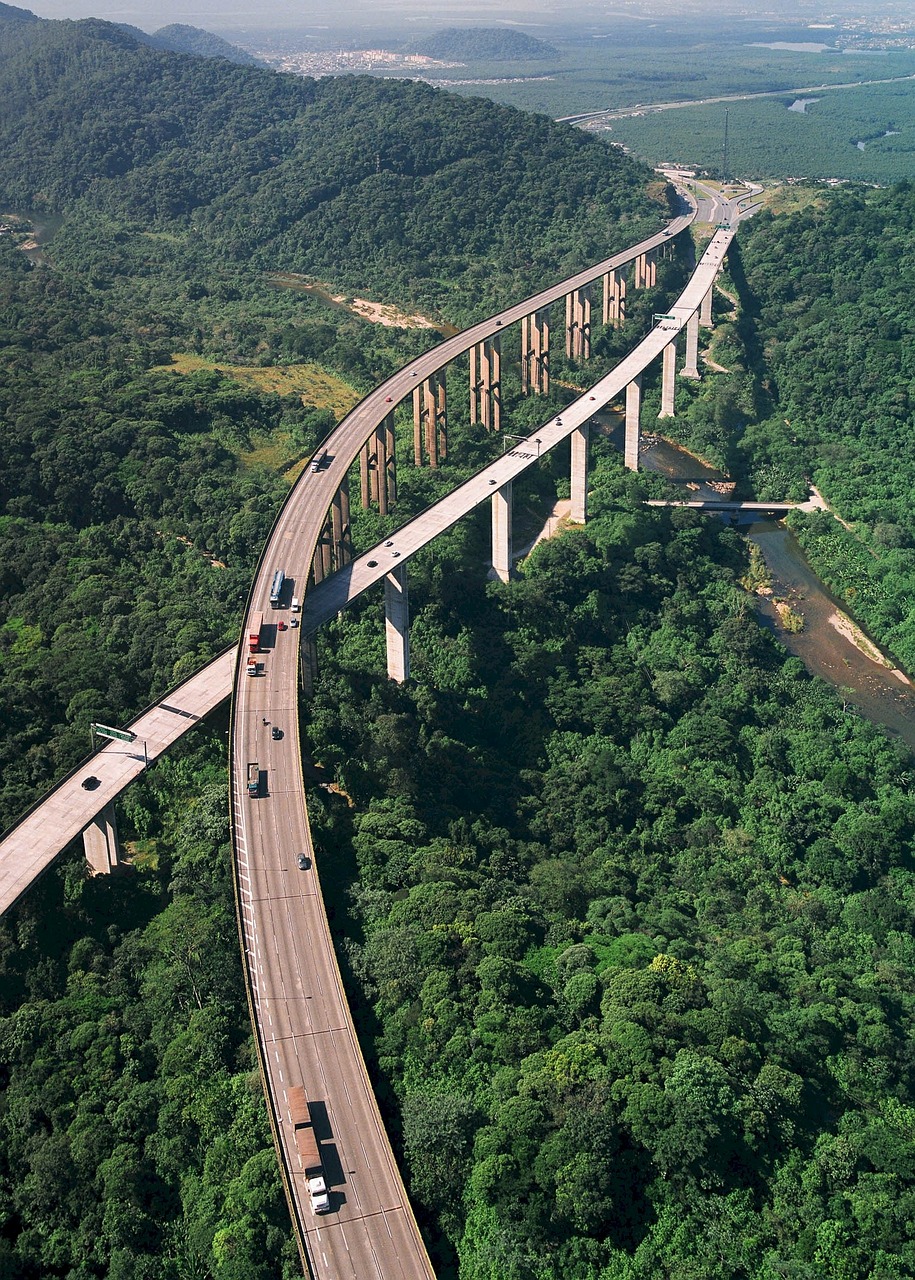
{"x": 386, "y": 185}
{"x": 827, "y": 297}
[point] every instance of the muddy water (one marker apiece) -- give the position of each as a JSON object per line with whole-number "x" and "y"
{"x": 872, "y": 688}
{"x": 884, "y": 698}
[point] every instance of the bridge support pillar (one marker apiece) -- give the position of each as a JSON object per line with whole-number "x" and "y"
{"x": 381, "y": 469}
{"x": 651, "y": 269}
{"x": 100, "y": 842}
{"x": 615, "y": 299}
{"x": 691, "y": 367}
{"x": 486, "y": 383}
{"x": 668, "y": 371}
{"x": 535, "y": 353}
{"x": 340, "y": 521}
{"x": 705, "y": 310}
{"x": 638, "y": 272}
{"x": 502, "y": 532}
{"x": 578, "y": 324}
{"x": 430, "y": 420}
{"x": 397, "y": 624}
{"x": 578, "y": 513}
{"x": 633, "y": 410}
{"x": 323, "y": 564}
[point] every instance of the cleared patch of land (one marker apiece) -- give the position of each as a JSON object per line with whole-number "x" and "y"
{"x": 315, "y": 385}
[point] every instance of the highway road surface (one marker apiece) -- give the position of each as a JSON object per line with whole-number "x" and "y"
{"x": 30, "y": 847}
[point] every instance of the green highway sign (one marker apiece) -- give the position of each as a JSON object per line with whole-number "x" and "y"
{"x": 122, "y": 735}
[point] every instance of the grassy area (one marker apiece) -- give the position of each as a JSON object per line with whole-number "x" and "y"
{"x": 315, "y": 385}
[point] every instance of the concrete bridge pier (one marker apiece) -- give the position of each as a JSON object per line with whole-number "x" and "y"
{"x": 579, "y": 487}
{"x": 705, "y": 310}
{"x": 668, "y": 372}
{"x": 100, "y": 843}
{"x": 322, "y": 561}
{"x": 578, "y": 324}
{"x": 502, "y": 532}
{"x": 651, "y": 269}
{"x": 397, "y": 624}
{"x": 633, "y": 410}
{"x": 535, "y": 353}
{"x": 691, "y": 367}
{"x": 638, "y": 272}
{"x": 430, "y": 420}
{"x": 340, "y": 521}
{"x": 486, "y": 383}
{"x": 368, "y": 479}
{"x": 614, "y": 308}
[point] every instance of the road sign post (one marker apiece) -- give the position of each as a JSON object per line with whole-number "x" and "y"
{"x": 104, "y": 731}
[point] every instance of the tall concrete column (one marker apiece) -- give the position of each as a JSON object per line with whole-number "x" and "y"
{"x": 502, "y": 532}
{"x": 100, "y": 843}
{"x": 691, "y": 367}
{"x": 638, "y": 277}
{"x": 578, "y": 324}
{"x": 535, "y": 348}
{"x": 486, "y": 383}
{"x": 381, "y": 469}
{"x": 418, "y": 428}
{"x": 584, "y": 324}
{"x": 340, "y": 521}
{"x": 651, "y": 269}
{"x": 608, "y": 315}
{"x": 705, "y": 311}
{"x": 397, "y": 624}
{"x": 390, "y": 454}
{"x": 668, "y": 371}
{"x": 325, "y": 548}
{"x": 430, "y": 417}
{"x": 633, "y": 409}
{"x": 579, "y": 489}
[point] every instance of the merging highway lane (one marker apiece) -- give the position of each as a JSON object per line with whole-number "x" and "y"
{"x": 301, "y": 1016}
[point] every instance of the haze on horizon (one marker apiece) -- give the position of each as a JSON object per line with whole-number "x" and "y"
{"x": 224, "y": 15}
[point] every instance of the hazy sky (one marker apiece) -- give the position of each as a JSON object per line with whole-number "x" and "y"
{"x": 223, "y": 14}
{"x": 394, "y": 15}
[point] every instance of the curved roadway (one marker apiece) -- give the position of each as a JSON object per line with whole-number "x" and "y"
{"x": 302, "y": 1021}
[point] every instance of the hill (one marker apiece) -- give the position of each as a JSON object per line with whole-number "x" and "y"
{"x": 484, "y": 44}
{"x": 365, "y": 181}
{"x": 181, "y": 38}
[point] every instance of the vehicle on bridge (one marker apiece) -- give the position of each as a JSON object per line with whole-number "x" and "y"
{"x": 255, "y": 628}
{"x": 276, "y": 588}
{"x": 254, "y": 778}
{"x": 306, "y": 1142}
{"x": 319, "y": 460}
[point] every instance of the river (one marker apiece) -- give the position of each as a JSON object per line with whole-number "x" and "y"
{"x": 873, "y": 689}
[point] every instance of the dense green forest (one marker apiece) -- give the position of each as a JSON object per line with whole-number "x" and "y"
{"x": 624, "y": 900}
{"x": 443, "y": 202}
{"x": 484, "y": 44}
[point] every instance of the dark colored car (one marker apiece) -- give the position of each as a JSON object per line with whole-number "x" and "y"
{"x": 90, "y": 783}
{"x": 303, "y": 862}
{"x": 276, "y": 733}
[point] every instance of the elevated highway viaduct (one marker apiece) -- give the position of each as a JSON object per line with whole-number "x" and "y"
{"x": 303, "y": 1027}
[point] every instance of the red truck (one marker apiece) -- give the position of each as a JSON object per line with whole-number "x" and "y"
{"x": 254, "y": 632}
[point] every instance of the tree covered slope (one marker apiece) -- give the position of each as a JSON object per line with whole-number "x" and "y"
{"x": 384, "y": 183}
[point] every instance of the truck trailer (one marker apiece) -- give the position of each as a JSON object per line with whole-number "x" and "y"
{"x": 254, "y": 632}
{"x": 254, "y": 778}
{"x": 309, "y": 1151}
